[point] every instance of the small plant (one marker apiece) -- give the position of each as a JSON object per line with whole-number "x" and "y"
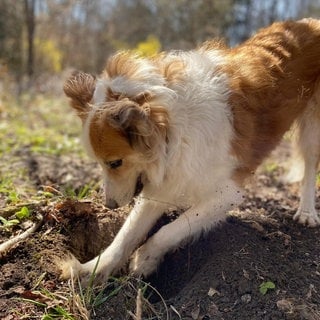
{"x": 266, "y": 286}
{"x": 58, "y": 312}
{"x": 8, "y": 224}
{"x": 82, "y": 193}
{"x": 7, "y": 187}
{"x": 23, "y": 213}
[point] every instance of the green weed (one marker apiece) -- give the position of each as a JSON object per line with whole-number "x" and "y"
{"x": 131, "y": 291}
{"x": 8, "y": 224}
{"x": 82, "y": 193}
{"x": 58, "y": 312}
{"x": 23, "y": 213}
{"x": 266, "y": 286}
{"x": 7, "y": 187}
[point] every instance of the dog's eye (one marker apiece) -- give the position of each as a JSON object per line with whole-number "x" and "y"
{"x": 114, "y": 164}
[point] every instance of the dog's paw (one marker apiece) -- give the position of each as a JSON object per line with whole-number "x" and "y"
{"x": 88, "y": 273}
{"x": 89, "y": 278}
{"x": 307, "y": 217}
{"x": 69, "y": 267}
{"x": 144, "y": 261}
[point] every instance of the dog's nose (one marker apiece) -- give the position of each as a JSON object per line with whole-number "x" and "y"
{"x": 112, "y": 204}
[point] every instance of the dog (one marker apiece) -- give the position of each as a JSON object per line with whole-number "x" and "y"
{"x": 187, "y": 129}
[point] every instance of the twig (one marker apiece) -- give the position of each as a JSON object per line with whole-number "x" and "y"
{"x": 6, "y": 246}
{"x": 139, "y": 305}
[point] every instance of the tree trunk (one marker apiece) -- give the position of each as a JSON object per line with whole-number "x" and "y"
{"x": 30, "y": 21}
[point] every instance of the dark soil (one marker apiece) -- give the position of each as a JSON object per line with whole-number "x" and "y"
{"x": 215, "y": 277}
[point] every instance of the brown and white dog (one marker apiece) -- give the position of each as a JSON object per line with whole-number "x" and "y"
{"x": 190, "y": 127}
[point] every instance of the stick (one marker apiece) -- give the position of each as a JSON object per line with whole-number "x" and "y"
{"x": 139, "y": 305}
{"x": 7, "y": 245}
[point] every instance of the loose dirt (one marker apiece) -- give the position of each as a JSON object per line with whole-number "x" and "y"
{"x": 218, "y": 276}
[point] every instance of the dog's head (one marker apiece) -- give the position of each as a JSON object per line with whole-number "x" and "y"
{"x": 125, "y": 134}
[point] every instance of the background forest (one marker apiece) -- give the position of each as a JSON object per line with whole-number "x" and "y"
{"x": 41, "y": 38}
{"x": 259, "y": 265}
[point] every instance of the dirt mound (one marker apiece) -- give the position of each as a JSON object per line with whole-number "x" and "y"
{"x": 259, "y": 264}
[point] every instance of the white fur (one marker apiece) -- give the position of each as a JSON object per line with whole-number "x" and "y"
{"x": 193, "y": 169}
{"x": 309, "y": 148}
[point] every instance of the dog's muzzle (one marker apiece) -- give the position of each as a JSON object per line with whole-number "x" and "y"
{"x": 112, "y": 204}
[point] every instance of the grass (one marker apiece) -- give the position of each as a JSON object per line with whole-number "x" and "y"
{"x": 52, "y": 305}
{"x": 33, "y": 124}
{"x": 133, "y": 294}
{"x": 44, "y": 125}
{"x": 82, "y": 193}
{"x": 40, "y": 125}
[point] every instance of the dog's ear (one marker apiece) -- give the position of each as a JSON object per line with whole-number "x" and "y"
{"x": 129, "y": 117}
{"x": 142, "y": 123}
{"x": 80, "y": 87}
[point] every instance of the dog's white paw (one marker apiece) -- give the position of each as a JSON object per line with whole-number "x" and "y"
{"x": 91, "y": 275}
{"x": 307, "y": 217}
{"x": 144, "y": 261}
{"x": 88, "y": 272}
{"x": 69, "y": 267}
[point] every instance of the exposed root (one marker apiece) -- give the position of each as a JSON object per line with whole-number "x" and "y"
{"x": 9, "y": 244}
{"x": 139, "y": 305}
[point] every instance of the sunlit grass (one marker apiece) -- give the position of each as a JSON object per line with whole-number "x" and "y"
{"x": 33, "y": 124}
{"x": 43, "y": 124}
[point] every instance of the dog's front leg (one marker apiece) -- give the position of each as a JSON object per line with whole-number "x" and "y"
{"x": 201, "y": 217}
{"x": 140, "y": 220}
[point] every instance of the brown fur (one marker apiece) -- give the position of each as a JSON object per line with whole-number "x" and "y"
{"x": 108, "y": 143}
{"x": 123, "y": 63}
{"x": 274, "y": 80}
{"x": 125, "y": 127}
{"x": 272, "y": 76}
{"x": 80, "y": 88}
{"x": 172, "y": 71}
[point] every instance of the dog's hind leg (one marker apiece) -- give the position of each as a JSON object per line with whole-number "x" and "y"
{"x": 309, "y": 147}
{"x": 296, "y": 164}
{"x": 201, "y": 217}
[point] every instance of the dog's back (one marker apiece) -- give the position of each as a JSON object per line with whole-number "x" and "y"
{"x": 273, "y": 76}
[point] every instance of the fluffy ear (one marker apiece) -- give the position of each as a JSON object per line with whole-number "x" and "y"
{"x": 144, "y": 125}
{"x": 129, "y": 117}
{"x": 80, "y": 88}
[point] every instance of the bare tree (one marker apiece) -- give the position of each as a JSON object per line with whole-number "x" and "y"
{"x": 30, "y": 22}
{"x": 85, "y": 32}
